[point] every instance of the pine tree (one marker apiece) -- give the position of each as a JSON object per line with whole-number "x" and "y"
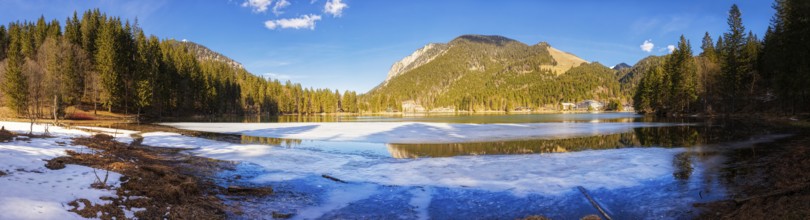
{"x": 15, "y": 83}
{"x": 73, "y": 29}
{"x": 708, "y": 48}
{"x": 107, "y": 64}
{"x": 733, "y": 65}
{"x": 3, "y": 42}
{"x": 90, "y": 25}
{"x": 750, "y": 57}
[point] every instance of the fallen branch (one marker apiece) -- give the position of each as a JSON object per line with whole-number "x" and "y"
{"x": 333, "y": 178}
{"x": 593, "y": 202}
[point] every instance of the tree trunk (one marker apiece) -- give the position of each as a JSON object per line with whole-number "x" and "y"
{"x": 55, "y": 110}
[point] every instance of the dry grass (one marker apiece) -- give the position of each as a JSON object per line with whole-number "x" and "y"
{"x": 6, "y": 135}
{"x": 565, "y": 61}
{"x": 166, "y": 185}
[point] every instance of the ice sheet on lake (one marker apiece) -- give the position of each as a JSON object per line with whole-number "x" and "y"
{"x": 519, "y": 174}
{"x": 454, "y": 184}
{"x": 31, "y": 191}
{"x": 413, "y": 132}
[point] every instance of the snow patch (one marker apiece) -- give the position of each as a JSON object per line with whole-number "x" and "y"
{"x": 31, "y": 191}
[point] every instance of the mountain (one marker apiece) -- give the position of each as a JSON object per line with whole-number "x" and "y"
{"x": 418, "y": 58}
{"x": 621, "y": 66}
{"x": 480, "y": 73}
{"x": 204, "y": 53}
{"x": 629, "y": 78}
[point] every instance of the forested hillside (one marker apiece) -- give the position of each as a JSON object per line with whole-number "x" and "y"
{"x": 494, "y": 73}
{"x": 101, "y": 62}
{"x": 629, "y": 78}
{"x": 738, "y": 73}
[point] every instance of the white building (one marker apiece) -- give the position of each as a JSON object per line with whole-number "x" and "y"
{"x": 412, "y": 106}
{"x": 568, "y": 106}
{"x": 590, "y": 104}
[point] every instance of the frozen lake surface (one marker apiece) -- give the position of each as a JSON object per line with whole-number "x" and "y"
{"x": 415, "y": 132}
{"x": 420, "y": 170}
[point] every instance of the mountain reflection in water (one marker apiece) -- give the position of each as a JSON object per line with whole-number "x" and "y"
{"x": 694, "y": 135}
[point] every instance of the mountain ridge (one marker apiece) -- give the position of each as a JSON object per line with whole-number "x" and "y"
{"x": 473, "y": 72}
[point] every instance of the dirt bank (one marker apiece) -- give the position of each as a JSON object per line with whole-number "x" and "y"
{"x": 772, "y": 181}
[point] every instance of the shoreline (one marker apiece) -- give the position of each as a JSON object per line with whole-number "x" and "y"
{"x": 775, "y": 184}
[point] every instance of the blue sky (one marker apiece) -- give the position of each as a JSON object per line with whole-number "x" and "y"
{"x": 351, "y": 44}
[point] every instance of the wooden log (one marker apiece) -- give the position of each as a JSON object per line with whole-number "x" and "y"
{"x": 593, "y": 202}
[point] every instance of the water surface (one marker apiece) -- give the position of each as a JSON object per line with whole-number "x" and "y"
{"x": 646, "y": 172}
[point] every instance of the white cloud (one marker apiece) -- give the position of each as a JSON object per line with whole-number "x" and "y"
{"x": 334, "y": 7}
{"x": 278, "y": 76}
{"x": 306, "y": 21}
{"x": 281, "y": 4}
{"x": 647, "y": 46}
{"x": 282, "y": 77}
{"x": 671, "y": 48}
{"x": 258, "y": 5}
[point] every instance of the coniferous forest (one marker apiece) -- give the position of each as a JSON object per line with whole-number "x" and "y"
{"x": 739, "y": 73}
{"x": 100, "y": 62}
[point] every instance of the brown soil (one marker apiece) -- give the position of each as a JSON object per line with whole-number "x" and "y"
{"x": 165, "y": 183}
{"x": 6, "y": 135}
{"x": 773, "y": 183}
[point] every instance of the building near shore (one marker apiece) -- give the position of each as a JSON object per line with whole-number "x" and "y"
{"x": 568, "y": 106}
{"x": 590, "y": 105}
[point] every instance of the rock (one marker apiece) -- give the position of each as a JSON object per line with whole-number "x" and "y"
{"x": 418, "y": 58}
{"x": 3, "y": 173}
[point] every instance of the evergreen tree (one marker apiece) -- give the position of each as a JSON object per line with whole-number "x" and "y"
{"x": 108, "y": 63}
{"x": 15, "y": 83}
{"x": 733, "y": 63}
{"x": 90, "y": 25}
{"x": 682, "y": 77}
{"x": 708, "y": 48}
{"x": 73, "y": 29}
{"x": 3, "y": 42}
{"x": 750, "y": 57}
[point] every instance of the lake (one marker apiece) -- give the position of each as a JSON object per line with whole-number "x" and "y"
{"x": 476, "y": 166}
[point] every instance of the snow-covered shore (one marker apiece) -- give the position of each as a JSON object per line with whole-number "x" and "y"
{"x": 31, "y": 191}
{"x": 414, "y": 132}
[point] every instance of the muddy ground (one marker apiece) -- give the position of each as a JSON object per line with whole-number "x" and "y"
{"x": 160, "y": 182}
{"x": 772, "y": 181}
